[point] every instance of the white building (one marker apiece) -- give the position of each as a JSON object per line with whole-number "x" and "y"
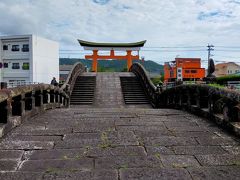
{"x": 28, "y": 58}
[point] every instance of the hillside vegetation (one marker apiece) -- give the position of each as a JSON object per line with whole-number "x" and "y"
{"x": 115, "y": 65}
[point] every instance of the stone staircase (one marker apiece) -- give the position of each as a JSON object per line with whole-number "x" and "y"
{"x": 83, "y": 91}
{"x": 133, "y": 92}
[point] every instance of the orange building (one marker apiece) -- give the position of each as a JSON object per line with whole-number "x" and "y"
{"x": 183, "y": 69}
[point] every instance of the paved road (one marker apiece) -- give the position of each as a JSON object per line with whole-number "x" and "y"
{"x": 119, "y": 143}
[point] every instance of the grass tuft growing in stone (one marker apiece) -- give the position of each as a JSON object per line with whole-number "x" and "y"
{"x": 105, "y": 141}
{"x": 158, "y": 156}
{"x": 123, "y": 166}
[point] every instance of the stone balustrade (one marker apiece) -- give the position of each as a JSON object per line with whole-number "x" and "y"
{"x": 220, "y": 105}
{"x": 149, "y": 88}
{"x": 20, "y": 103}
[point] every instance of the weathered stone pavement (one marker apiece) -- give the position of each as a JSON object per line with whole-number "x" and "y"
{"x": 118, "y": 144}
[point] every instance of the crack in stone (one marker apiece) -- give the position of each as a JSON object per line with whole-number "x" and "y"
{"x": 118, "y": 173}
{"x": 25, "y": 157}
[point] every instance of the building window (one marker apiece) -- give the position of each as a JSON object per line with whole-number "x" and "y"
{"x": 25, "y": 48}
{"x": 194, "y": 71}
{"x": 5, "y": 47}
{"x": 15, "y": 66}
{"x": 187, "y": 71}
{"x": 15, "y": 47}
{"x": 5, "y": 65}
{"x": 1, "y": 65}
{"x": 25, "y": 66}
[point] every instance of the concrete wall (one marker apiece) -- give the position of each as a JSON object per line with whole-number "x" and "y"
{"x": 45, "y": 63}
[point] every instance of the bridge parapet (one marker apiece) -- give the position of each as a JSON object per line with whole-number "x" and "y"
{"x": 20, "y": 103}
{"x": 149, "y": 88}
{"x": 77, "y": 69}
{"x": 221, "y": 105}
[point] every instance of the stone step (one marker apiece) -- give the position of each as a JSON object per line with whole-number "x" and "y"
{"x": 83, "y": 91}
{"x": 133, "y": 92}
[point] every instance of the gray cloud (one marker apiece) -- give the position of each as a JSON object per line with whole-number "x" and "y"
{"x": 162, "y": 23}
{"x": 101, "y": 2}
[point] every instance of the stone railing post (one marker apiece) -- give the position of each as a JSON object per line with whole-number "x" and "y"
{"x": 60, "y": 98}
{"x": 38, "y": 98}
{"x": 45, "y": 97}
{"x": 22, "y": 102}
{"x": 198, "y": 97}
{"x": 226, "y": 114}
{"x": 188, "y": 98}
{"x": 4, "y": 111}
{"x": 56, "y": 97}
{"x": 210, "y": 104}
{"x": 18, "y": 105}
{"x": 28, "y": 102}
{"x": 66, "y": 101}
{"x": 52, "y": 96}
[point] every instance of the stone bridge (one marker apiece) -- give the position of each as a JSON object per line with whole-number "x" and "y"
{"x": 118, "y": 126}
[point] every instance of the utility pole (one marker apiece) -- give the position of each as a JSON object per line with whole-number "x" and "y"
{"x": 210, "y": 48}
{"x": 211, "y": 67}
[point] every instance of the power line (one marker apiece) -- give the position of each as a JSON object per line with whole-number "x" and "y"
{"x": 234, "y": 47}
{"x": 163, "y": 47}
{"x": 158, "y": 50}
{"x": 223, "y": 50}
{"x": 146, "y": 51}
{"x": 228, "y": 56}
{"x": 173, "y": 50}
{"x": 168, "y": 47}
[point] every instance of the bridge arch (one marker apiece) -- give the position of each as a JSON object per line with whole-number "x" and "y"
{"x": 219, "y": 105}
{"x": 19, "y": 103}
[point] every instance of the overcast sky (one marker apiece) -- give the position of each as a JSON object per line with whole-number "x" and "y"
{"x": 163, "y": 23}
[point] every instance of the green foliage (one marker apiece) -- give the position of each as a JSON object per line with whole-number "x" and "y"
{"x": 104, "y": 69}
{"x": 224, "y": 79}
{"x": 216, "y": 85}
{"x": 156, "y": 80}
{"x": 125, "y": 69}
{"x": 114, "y": 65}
{"x": 152, "y": 66}
{"x": 162, "y": 77}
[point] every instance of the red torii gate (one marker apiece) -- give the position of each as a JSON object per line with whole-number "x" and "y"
{"x": 112, "y": 47}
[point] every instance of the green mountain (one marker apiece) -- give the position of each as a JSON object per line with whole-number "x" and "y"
{"x": 115, "y": 65}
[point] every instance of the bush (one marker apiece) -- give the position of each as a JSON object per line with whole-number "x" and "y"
{"x": 156, "y": 80}
{"x": 216, "y": 85}
{"x": 223, "y": 80}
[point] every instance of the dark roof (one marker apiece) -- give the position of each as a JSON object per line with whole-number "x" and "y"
{"x": 94, "y": 44}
